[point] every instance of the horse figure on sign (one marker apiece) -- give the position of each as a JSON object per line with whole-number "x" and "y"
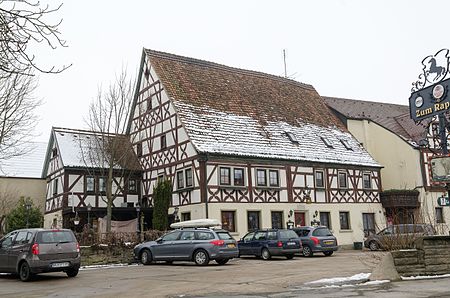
{"x": 438, "y": 70}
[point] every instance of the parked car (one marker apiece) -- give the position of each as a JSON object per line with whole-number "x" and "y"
{"x": 27, "y": 252}
{"x": 316, "y": 239}
{"x": 401, "y": 236}
{"x": 270, "y": 242}
{"x": 199, "y": 245}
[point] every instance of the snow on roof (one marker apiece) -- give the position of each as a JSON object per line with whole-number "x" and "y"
{"x": 218, "y": 132}
{"x": 28, "y": 165}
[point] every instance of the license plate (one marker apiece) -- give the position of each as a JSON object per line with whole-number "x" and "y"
{"x": 329, "y": 242}
{"x": 59, "y": 265}
{"x": 291, "y": 243}
{"x": 231, "y": 245}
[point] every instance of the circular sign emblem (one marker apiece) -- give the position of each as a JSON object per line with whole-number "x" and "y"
{"x": 419, "y": 101}
{"x": 438, "y": 91}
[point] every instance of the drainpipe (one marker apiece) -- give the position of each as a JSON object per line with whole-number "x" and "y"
{"x": 203, "y": 158}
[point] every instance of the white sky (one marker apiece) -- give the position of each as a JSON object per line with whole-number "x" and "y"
{"x": 369, "y": 50}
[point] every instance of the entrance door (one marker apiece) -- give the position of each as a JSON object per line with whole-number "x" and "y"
{"x": 299, "y": 219}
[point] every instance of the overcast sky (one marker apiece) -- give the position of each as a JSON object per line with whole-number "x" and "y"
{"x": 368, "y": 50}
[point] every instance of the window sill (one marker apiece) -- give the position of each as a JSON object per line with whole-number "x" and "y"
{"x": 190, "y": 188}
{"x": 267, "y": 187}
{"x": 346, "y": 231}
{"x": 232, "y": 187}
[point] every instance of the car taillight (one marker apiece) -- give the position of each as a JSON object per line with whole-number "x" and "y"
{"x": 280, "y": 244}
{"x": 35, "y": 249}
{"x": 315, "y": 240}
{"x": 217, "y": 242}
{"x": 78, "y": 247}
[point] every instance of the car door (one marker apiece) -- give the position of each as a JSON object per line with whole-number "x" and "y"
{"x": 164, "y": 248}
{"x": 259, "y": 241}
{"x": 183, "y": 246}
{"x": 19, "y": 247}
{"x": 5, "y": 245}
{"x": 245, "y": 244}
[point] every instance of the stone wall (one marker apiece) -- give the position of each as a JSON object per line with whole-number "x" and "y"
{"x": 431, "y": 257}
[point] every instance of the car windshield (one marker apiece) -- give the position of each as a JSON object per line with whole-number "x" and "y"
{"x": 322, "y": 232}
{"x": 224, "y": 236}
{"x": 55, "y": 237}
{"x": 287, "y": 234}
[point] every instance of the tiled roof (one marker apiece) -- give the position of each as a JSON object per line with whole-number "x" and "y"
{"x": 393, "y": 117}
{"x": 28, "y": 165}
{"x": 80, "y": 148}
{"x": 239, "y": 112}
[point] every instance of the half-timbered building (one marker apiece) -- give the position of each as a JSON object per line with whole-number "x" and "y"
{"x": 77, "y": 177}
{"x": 251, "y": 149}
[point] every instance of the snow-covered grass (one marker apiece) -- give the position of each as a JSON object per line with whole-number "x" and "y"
{"x": 424, "y": 277}
{"x": 334, "y": 280}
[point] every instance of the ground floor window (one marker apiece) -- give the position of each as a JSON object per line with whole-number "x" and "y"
{"x": 277, "y": 219}
{"x": 253, "y": 220}
{"x": 185, "y": 216}
{"x": 228, "y": 221}
{"x": 344, "y": 219}
{"x": 325, "y": 219}
{"x": 368, "y": 223}
{"x": 439, "y": 215}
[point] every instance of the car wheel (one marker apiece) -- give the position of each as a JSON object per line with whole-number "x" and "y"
{"x": 307, "y": 252}
{"x": 201, "y": 257}
{"x": 25, "y": 272}
{"x": 327, "y": 253}
{"x": 265, "y": 254}
{"x": 72, "y": 272}
{"x": 222, "y": 261}
{"x": 289, "y": 257}
{"x": 146, "y": 257}
{"x": 373, "y": 245}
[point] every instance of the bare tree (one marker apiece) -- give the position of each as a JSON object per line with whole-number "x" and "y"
{"x": 110, "y": 151}
{"x": 17, "y": 114}
{"x": 23, "y": 23}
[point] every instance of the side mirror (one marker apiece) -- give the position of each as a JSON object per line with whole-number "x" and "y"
{"x": 159, "y": 240}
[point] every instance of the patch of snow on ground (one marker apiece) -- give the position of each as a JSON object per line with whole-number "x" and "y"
{"x": 356, "y": 277}
{"x": 424, "y": 277}
{"x": 107, "y": 266}
{"x": 376, "y": 282}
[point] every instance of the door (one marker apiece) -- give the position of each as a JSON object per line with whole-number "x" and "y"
{"x": 260, "y": 240}
{"x": 244, "y": 244}
{"x": 19, "y": 247}
{"x": 183, "y": 246}
{"x": 368, "y": 224}
{"x": 164, "y": 247}
{"x": 299, "y": 218}
{"x": 5, "y": 246}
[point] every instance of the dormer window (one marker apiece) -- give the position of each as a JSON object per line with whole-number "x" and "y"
{"x": 291, "y": 137}
{"x": 346, "y": 144}
{"x": 327, "y": 142}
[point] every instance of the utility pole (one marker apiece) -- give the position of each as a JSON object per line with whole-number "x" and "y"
{"x": 284, "y": 59}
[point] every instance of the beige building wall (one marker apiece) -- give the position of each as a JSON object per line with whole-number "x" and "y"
{"x": 24, "y": 187}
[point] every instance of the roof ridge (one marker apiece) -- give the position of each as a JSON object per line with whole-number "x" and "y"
{"x": 224, "y": 67}
{"x": 364, "y": 101}
{"x": 83, "y": 131}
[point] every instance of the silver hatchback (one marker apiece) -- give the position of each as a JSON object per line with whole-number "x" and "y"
{"x": 30, "y": 251}
{"x": 199, "y": 245}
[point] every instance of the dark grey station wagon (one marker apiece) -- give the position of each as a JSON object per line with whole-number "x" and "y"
{"x": 30, "y": 251}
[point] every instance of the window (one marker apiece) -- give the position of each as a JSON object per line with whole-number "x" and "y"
{"x": 260, "y": 235}
{"x": 185, "y": 216}
{"x": 188, "y": 235}
{"x": 204, "y": 235}
{"x": 225, "y": 176}
{"x": 261, "y": 177}
{"x": 327, "y": 142}
{"x": 132, "y": 186}
{"x": 439, "y": 215}
{"x": 325, "y": 219}
{"x": 180, "y": 180}
{"x": 188, "y": 174}
{"x": 277, "y": 219}
{"x": 163, "y": 142}
{"x": 54, "y": 152}
{"x": 90, "y": 184}
{"x": 228, "y": 221}
{"x": 253, "y": 220}
{"x": 55, "y": 186}
{"x": 344, "y": 219}
{"x": 367, "y": 182}
{"x": 346, "y": 144}
{"x": 272, "y": 235}
{"x": 368, "y": 223}
{"x": 171, "y": 236}
{"x": 292, "y": 137}
{"x": 21, "y": 237}
{"x": 149, "y": 104}
{"x": 102, "y": 184}
{"x": 160, "y": 178}
{"x": 248, "y": 237}
{"x": 238, "y": 177}
{"x": 273, "y": 178}
{"x": 319, "y": 179}
{"x": 342, "y": 179}
{"x": 139, "y": 149}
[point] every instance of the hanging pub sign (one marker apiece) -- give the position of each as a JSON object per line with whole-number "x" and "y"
{"x": 429, "y": 94}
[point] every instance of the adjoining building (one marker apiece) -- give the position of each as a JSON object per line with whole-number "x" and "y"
{"x": 76, "y": 169}
{"x": 250, "y": 149}
{"x": 392, "y": 138}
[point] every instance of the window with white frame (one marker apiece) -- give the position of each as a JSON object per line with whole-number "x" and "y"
{"x": 102, "y": 184}
{"x": 188, "y": 175}
{"x": 238, "y": 176}
{"x": 367, "y": 181}
{"x": 184, "y": 178}
{"x": 55, "y": 186}
{"x": 274, "y": 180}
{"x": 342, "y": 180}
{"x": 318, "y": 176}
{"x": 225, "y": 176}
{"x": 90, "y": 184}
{"x": 344, "y": 219}
{"x": 180, "y": 179}
{"x": 132, "y": 186}
{"x": 261, "y": 179}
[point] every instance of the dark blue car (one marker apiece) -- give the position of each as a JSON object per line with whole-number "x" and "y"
{"x": 271, "y": 242}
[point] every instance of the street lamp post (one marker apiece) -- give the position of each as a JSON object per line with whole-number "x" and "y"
{"x": 138, "y": 210}
{"x": 28, "y": 207}
{"x": 89, "y": 208}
